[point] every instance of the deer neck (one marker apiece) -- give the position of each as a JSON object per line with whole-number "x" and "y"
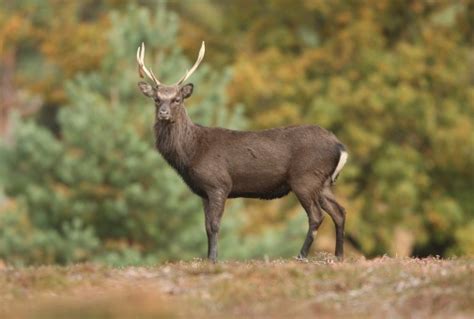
{"x": 176, "y": 141}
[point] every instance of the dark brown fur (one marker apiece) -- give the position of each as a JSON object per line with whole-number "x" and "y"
{"x": 218, "y": 163}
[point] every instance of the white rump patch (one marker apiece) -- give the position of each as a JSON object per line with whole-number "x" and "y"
{"x": 340, "y": 165}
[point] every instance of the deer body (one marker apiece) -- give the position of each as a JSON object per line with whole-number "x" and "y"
{"x": 249, "y": 164}
{"x": 218, "y": 163}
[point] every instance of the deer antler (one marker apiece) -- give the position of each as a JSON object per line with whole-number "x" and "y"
{"x": 141, "y": 65}
{"x": 196, "y": 64}
{"x": 143, "y": 70}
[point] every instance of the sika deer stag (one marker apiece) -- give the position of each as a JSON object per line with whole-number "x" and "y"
{"x": 218, "y": 163}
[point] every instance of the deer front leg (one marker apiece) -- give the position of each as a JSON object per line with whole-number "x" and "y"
{"x": 213, "y": 210}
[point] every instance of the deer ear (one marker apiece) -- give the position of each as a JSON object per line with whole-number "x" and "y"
{"x": 187, "y": 90}
{"x": 146, "y": 89}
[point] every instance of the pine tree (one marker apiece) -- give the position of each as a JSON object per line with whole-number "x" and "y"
{"x": 100, "y": 191}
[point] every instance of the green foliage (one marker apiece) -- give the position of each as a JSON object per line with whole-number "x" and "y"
{"x": 391, "y": 79}
{"x": 101, "y": 191}
{"x": 21, "y": 243}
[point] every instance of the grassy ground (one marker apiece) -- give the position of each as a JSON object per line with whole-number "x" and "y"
{"x": 394, "y": 288}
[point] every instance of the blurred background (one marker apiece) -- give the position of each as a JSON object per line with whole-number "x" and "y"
{"x": 81, "y": 181}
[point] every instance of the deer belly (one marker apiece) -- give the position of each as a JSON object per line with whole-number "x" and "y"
{"x": 264, "y": 186}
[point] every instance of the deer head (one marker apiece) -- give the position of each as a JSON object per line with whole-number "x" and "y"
{"x": 168, "y": 98}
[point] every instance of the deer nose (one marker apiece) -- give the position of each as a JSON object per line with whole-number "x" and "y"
{"x": 164, "y": 113}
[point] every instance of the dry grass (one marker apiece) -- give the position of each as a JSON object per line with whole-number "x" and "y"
{"x": 394, "y": 288}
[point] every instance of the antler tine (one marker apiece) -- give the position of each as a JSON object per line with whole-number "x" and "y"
{"x": 196, "y": 64}
{"x": 141, "y": 65}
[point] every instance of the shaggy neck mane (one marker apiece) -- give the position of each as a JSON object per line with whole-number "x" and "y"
{"x": 176, "y": 141}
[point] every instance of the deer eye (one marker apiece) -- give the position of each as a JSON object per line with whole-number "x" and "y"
{"x": 157, "y": 100}
{"x": 176, "y": 100}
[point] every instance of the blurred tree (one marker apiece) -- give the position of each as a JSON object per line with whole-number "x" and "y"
{"x": 392, "y": 79}
{"x": 53, "y": 39}
{"x": 103, "y": 180}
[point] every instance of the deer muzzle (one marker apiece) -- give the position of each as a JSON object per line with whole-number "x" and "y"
{"x": 164, "y": 114}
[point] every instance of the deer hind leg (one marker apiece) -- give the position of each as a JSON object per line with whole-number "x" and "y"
{"x": 315, "y": 218}
{"x": 338, "y": 214}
